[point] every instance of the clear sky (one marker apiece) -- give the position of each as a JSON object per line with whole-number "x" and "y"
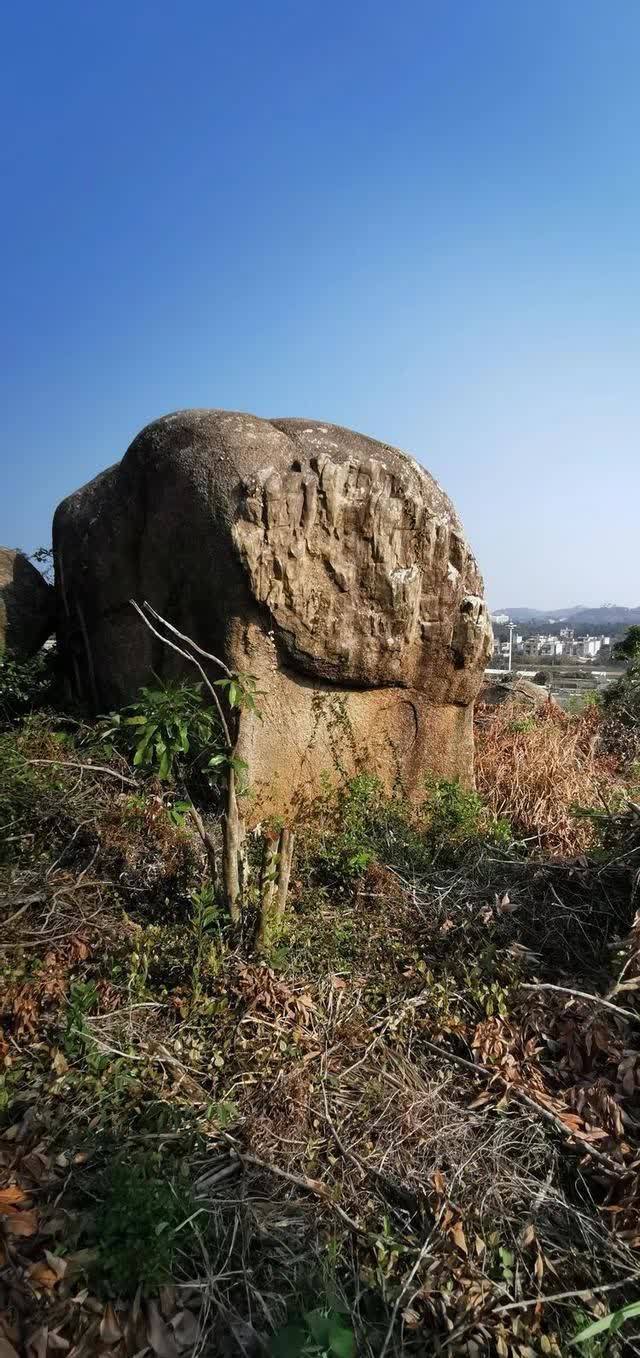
{"x": 420, "y": 219}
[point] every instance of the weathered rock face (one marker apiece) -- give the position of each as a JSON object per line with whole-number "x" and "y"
{"x": 27, "y": 606}
{"x": 327, "y": 564}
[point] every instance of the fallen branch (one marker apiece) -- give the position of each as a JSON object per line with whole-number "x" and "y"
{"x": 605, "y": 1160}
{"x": 87, "y": 768}
{"x": 582, "y": 1294}
{"x": 583, "y": 995}
{"x": 301, "y": 1181}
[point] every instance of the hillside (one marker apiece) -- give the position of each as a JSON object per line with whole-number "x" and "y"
{"x": 407, "y": 1126}
{"x": 577, "y": 616}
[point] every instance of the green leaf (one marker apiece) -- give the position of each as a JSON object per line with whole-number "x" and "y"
{"x": 319, "y": 1326}
{"x": 341, "y": 1340}
{"x": 612, "y": 1321}
{"x": 289, "y": 1342}
{"x": 135, "y": 721}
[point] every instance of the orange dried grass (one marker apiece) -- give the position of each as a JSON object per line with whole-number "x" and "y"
{"x": 535, "y": 769}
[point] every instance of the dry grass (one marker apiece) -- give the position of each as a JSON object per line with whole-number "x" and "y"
{"x": 536, "y": 769}
{"x": 336, "y": 1152}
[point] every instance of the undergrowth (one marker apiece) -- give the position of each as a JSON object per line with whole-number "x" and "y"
{"x": 382, "y": 1138}
{"x": 539, "y": 770}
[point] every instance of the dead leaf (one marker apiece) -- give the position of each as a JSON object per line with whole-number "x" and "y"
{"x": 459, "y": 1237}
{"x": 55, "y": 1262}
{"x": 159, "y": 1335}
{"x": 37, "y": 1342}
{"x": 9, "y": 1198}
{"x": 186, "y": 1330}
{"x": 505, "y": 905}
{"x": 57, "y": 1342}
{"x": 527, "y": 1236}
{"x": 43, "y": 1276}
{"x": 439, "y": 1183}
{"x": 59, "y": 1062}
{"x": 23, "y": 1223}
{"x": 110, "y": 1331}
{"x": 6, "y": 1348}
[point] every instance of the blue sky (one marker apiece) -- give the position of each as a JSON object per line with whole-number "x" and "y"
{"x": 420, "y": 220}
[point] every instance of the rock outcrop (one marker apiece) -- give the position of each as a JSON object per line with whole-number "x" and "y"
{"x": 518, "y": 691}
{"x": 27, "y": 606}
{"x": 330, "y": 566}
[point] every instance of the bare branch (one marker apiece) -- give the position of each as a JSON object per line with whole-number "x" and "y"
{"x": 186, "y": 656}
{"x": 583, "y": 995}
{"x": 207, "y": 654}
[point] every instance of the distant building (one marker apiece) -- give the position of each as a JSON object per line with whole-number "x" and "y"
{"x": 543, "y": 645}
{"x": 500, "y": 617}
{"x": 587, "y": 648}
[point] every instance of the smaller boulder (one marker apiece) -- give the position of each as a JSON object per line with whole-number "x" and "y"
{"x": 27, "y": 606}
{"x": 523, "y": 693}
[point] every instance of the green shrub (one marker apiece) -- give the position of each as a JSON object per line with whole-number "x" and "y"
{"x": 168, "y": 731}
{"x": 30, "y": 796}
{"x": 456, "y": 816}
{"x": 361, "y": 824}
{"x": 135, "y": 1224}
{"x": 26, "y": 685}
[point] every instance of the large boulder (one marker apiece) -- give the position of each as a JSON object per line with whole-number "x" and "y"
{"x": 27, "y": 606}
{"x": 329, "y": 565}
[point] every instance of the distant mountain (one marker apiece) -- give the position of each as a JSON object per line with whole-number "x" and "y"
{"x": 578, "y": 615}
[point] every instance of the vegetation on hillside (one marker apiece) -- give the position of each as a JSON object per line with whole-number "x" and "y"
{"x": 410, "y": 1127}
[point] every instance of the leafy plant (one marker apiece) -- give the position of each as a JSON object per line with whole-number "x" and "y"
{"x": 25, "y": 685}
{"x": 206, "y": 918}
{"x": 43, "y": 557}
{"x": 361, "y": 825}
{"x": 610, "y": 1323}
{"x": 629, "y": 647}
{"x": 456, "y": 814}
{"x": 135, "y": 1225}
{"x": 83, "y": 1000}
{"x": 319, "y": 1332}
{"x": 169, "y": 727}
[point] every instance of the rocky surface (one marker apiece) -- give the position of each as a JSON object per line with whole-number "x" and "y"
{"x": 331, "y": 566}
{"x": 523, "y": 693}
{"x": 27, "y": 606}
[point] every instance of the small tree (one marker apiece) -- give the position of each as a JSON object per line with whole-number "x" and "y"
{"x": 629, "y": 648}
{"x": 238, "y": 694}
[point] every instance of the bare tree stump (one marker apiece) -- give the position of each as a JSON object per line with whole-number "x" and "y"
{"x": 274, "y": 886}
